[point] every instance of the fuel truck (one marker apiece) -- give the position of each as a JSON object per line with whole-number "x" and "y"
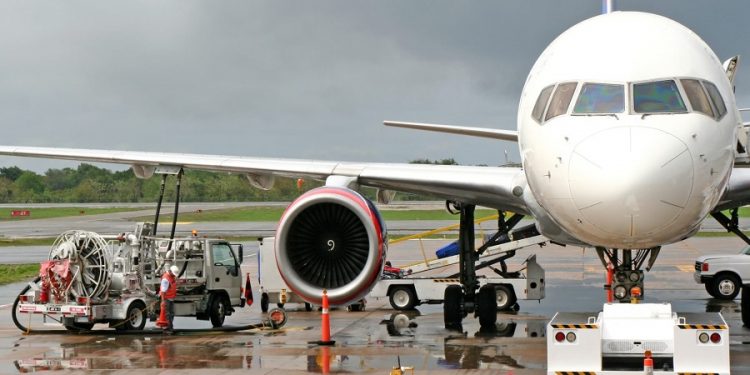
{"x": 89, "y": 279}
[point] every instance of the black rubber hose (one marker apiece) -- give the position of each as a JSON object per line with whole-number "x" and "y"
{"x": 15, "y": 305}
{"x": 176, "y": 209}
{"x": 158, "y": 205}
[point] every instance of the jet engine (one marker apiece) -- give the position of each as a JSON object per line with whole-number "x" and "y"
{"x": 332, "y": 239}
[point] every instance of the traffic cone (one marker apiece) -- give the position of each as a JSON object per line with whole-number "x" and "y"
{"x": 325, "y": 326}
{"x": 648, "y": 364}
{"x": 162, "y": 322}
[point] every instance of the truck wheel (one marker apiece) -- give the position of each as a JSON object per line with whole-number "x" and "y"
{"x": 487, "y": 306}
{"x": 402, "y": 298}
{"x": 505, "y": 297}
{"x": 709, "y": 288}
{"x": 264, "y": 302}
{"x": 453, "y": 306}
{"x": 217, "y": 311}
{"x": 135, "y": 319}
{"x": 726, "y": 286}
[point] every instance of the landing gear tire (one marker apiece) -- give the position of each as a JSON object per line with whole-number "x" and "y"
{"x": 726, "y": 286}
{"x": 745, "y": 306}
{"x": 217, "y": 312}
{"x": 487, "y": 306}
{"x": 280, "y": 305}
{"x": 453, "y": 306}
{"x": 403, "y": 298}
{"x": 135, "y": 319}
{"x": 505, "y": 297}
{"x": 308, "y": 307}
{"x": 264, "y": 302}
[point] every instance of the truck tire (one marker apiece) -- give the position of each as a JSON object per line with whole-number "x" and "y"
{"x": 709, "y": 285}
{"x": 453, "y": 306}
{"x": 135, "y": 319}
{"x": 726, "y": 286}
{"x": 264, "y": 302}
{"x": 403, "y": 298}
{"x": 218, "y": 310}
{"x": 505, "y": 297}
{"x": 487, "y": 306}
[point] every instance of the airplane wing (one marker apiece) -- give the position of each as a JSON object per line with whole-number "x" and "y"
{"x": 487, "y": 186}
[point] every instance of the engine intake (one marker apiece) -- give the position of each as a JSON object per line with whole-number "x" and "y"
{"x": 331, "y": 238}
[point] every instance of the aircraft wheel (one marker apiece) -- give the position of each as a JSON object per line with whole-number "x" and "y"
{"x": 745, "y": 306}
{"x": 453, "y": 301}
{"x": 308, "y": 307}
{"x": 487, "y": 306}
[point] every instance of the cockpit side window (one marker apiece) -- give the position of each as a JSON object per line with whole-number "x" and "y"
{"x": 561, "y": 100}
{"x": 541, "y": 103}
{"x": 600, "y": 98}
{"x": 657, "y": 97}
{"x": 697, "y": 97}
{"x": 716, "y": 98}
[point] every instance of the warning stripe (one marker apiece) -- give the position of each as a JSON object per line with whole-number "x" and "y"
{"x": 575, "y": 373}
{"x": 698, "y": 373}
{"x": 702, "y": 326}
{"x": 592, "y": 326}
{"x": 446, "y": 280}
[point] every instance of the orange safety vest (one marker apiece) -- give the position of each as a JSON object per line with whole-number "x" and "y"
{"x": 171, "y": 292}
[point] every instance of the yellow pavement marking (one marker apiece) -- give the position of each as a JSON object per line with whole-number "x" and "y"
{"x": 686, "y": 267}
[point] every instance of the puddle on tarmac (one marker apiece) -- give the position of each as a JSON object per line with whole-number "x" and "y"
{"x": 399, "y": 337}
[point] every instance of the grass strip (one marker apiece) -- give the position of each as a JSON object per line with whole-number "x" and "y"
{"x": 52, "y": 212}
{"x": 11, "y": 273}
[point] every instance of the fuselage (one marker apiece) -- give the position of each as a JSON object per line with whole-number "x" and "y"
{"x": 627, "y": 131}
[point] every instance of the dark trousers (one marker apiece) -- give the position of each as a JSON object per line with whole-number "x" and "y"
{"x": 170, "y": 313}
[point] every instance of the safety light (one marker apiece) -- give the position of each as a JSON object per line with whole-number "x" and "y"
{"x": 571, "y": 337}
{"x": 634, "y": 277}
{"x": 715, "y": 337}
{"x": 635, "y": 291}
{"x": 620, "y": 292}
{"x": 559, "y": 337}
{"x": 23, "y": 298}
{"x": 703, "y": 337}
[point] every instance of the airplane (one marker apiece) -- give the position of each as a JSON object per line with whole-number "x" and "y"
{"x": 628, "y": 130}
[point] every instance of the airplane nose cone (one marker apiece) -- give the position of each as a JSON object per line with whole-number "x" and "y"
{"x": 630, "y": 181}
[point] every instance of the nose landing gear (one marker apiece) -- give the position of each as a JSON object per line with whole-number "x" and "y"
{"x": 628, "y": 280}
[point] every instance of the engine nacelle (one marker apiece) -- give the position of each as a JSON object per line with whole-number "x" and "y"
{"x": 331, "y": 238}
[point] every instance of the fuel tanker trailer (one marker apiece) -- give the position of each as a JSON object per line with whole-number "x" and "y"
{"x": 91, "y": 278}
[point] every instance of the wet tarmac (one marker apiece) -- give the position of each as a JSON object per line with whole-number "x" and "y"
{"x": 374, "y": 340}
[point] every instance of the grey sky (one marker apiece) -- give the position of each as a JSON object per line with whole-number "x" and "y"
{"x": 299, "y": 79}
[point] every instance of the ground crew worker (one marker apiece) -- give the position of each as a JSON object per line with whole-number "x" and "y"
{"x": 168, "y": 292}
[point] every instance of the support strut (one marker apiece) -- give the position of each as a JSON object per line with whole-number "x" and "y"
{"x": 731, "y": 224}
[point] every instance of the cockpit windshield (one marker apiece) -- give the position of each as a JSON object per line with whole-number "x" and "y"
{"x": 657, "y": 97}
{"x": 600, "y": 98}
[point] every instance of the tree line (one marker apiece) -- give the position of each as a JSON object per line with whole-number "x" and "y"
{"x": 91, "y": 184}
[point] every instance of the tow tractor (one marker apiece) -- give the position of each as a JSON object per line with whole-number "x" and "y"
{"x": 617, "y": 340}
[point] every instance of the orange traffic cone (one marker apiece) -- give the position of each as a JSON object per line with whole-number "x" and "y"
{"x": 325, "y": 327}
{"x": 162, "y": 322}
